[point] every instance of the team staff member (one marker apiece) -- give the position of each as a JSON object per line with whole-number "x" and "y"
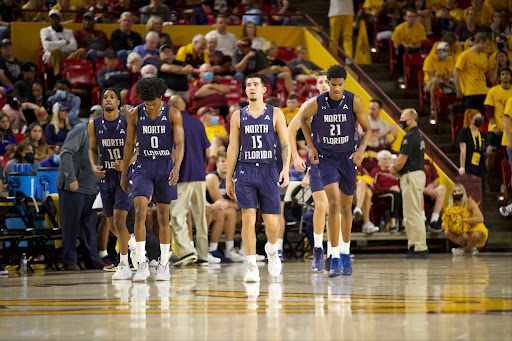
{"x": 409, "y": 165}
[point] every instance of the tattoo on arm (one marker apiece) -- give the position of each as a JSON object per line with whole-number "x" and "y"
{"x": 284, "y": 153}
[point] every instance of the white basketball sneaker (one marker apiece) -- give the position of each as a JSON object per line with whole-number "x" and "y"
{"x": 162, "y": 272}
{"x": 274, "y": 263}
{"x": 123, "y": 272}
{"x": 253, "y": 275}
{"x": 234, "y": 256}
{"x": 142, "y": 272}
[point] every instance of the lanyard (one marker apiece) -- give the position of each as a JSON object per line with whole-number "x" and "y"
{"x": 477, "y": 147}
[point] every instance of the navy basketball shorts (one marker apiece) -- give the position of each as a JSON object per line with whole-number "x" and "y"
{"x": 152, "y": 176}
{"x": 338, "y": 168}
{"x": 256, "y": 185}
{"x": 112, "y": 196}
{"x": 282, "y": 190}
{"x": 315, "y": 180}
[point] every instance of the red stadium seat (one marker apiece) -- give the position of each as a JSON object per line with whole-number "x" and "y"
{"x": 100, "y": 65}
{"x": 412, "y": 63}
{"x": 3, "y": 161}
{"x": 422, "y": 95}
{"x": 80, "y": 79}
{"x": 310, "y": 89}
{"x": 235, "y": 86}
{"x": 505, "y": 171}
{"x": 83, "y": 65}
{"x": 286, "y": 54}
{"x": 457, "y": 121}
{"x": 441, "y": 103}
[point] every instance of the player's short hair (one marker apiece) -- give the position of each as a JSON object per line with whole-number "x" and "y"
{"x": 336, "y": 71}
{"x": 413, "y": 114}
{"x": 223, "y": 155}
{"x": 273, "y": 101}
{"x": 320, "y": 74}
{"x": 257, "y": 75}
{"x": 150, "y": 89}
{"x": 378, "y": 101}
{"x": 292, "y": 96}
{"x": 116, "y": 91}
{"x": 221, "y": 16}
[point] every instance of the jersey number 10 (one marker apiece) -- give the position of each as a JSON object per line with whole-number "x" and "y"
{"x": 114, "y": 154}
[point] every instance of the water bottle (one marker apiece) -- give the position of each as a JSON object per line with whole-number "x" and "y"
{"x": 382, "y": 225}
{"x": 23, "y": 265}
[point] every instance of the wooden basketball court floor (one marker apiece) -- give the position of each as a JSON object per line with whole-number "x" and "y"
{"x": 387, "y": 298}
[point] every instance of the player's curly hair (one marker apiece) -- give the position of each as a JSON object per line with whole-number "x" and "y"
{"x": 150, "y": 89}
{"x": 336, "y": 71}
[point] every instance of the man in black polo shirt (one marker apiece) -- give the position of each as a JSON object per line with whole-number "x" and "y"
{"x": 173, "y": 72}
{"x": 409, "y": 165}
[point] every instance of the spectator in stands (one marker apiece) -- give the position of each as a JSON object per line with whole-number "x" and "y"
{"x": 64, "y": 95}
{"x": 10, "y": 65}
{"x": 95, "y": 42}
{"x": 278, "y": 17}
{"x": 498, "y": 60}
{"x": 434, "y": 193}
{"x": 207, "y": 92}
{"x": 469, "y": 74}
{"x": 59, "y": 43}
{"x": 247, "y": 60}
{"x": 364, "y": 195}
{"x": 449, "y": 16}
{"x": 220, "y": 62}
{"x": 302, "y": 69}
{"x": 226, "y": 41}
{"x": 407, "y": 38}
{"x": 118, "y": 8}
{"x": 341, "y": 21}
{"x": 64, "y": 5}
{"x": 22, "y": 87}
{"x": 9, "y": 11}
{"x": 383, "y": 134}
{"x": 134, "y": 65}
{"x": 149, "y": 51}
{"x": 469, "y": 28}
{"x": 277, "y": 66}
{"x": 495, "y": 108}
{"x": 455, "y": 46}
{"x": 194, "y": 53}
{"x": 124, "y": 40}
{"x": 476, "y": 235}
{"x": 507, "y": 141}
{"x": 473, "y": 144}
{"x": 173, "y": 72}
{"x": 155, "y": 23}
{"x": 38, "y": 97}
{"x": 155, "y": 7}
{"x": 147, "y": 71}
{"x": 387, "y": 186}
{"x": 8, "y": 145}
{"x": 387, "y": 18}
{"x": 497, "y": 25}
{"x": 216, "y": 133}
{"x": 59, "y": 127}
{"x": 483, "y": 12}
{"x": 54, "y": 160}
{"x": 207, "y": 18}
{"x": 423, "y": 14}
{"x": 14, "y": 109}
{"x": 292, "y": 107}
{"x": 35, "y": 137}
{"x": 438, "y": 72}
{"x": 249, "y": 31}
{"x": 251, "y": 7}
{"x": 24, "y": 154}
{"x": 113, "y": 76}
{"x": 35, "y": 11}
{"x": 100, "y": 9}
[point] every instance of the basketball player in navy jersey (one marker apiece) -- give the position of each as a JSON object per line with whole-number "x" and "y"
{"x": 336, "y": 152}
{"x": 156, "y": 126}
{"x": 252, "y": 142}
{"x": 107, "y": 134}
{"x": 315, "y": 183}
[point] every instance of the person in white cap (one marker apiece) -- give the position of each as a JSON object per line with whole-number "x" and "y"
{"x": 59, "y": 43}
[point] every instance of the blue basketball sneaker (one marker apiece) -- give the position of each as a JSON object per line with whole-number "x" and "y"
{"x": 281, "y": 255}
{"x": 217, "y": 254}
{"x": 347, "y": 265}
{"x": 336, "y": 268}
{"x": 318, "y": 259}
{"x": 327, "y": 266}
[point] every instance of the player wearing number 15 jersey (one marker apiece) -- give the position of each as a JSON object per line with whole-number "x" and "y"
{"x": 157, "y": 127}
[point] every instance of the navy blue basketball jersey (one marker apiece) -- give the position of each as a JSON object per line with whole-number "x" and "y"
{"x": 154, "y": 137}
{"x": 257, "y": 137}
{"x": 110, "y": 143}
{"x": 222, "y": 188}
{"x": 335, "y": 127}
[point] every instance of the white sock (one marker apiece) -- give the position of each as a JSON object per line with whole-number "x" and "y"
{"x": 424, "y": 215}
{"x": 272, "y": 248}
{"x": 329, "y": 249}
{"x": 279, "y": 244}
{"x": 141, "y": 251}
{"x": 251, "y": 259}
{"x": 192, "y": 243}
{"x": 213, "y": 247}
{"x": 123, "y": 259}
{"x": 230, "y": 245}
{"x": 434, "y": 218}
{"x": 103, "y": 253}
{"x": 335, "y": 251}
{"x": 132, "y": 243}
{"x": 164, "y": 253}
{"x": 345, "y": 248}
{"x": 319, "y": 240}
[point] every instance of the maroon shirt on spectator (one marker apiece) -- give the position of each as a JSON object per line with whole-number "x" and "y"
{"x": 206, "y": 101}
{"x": 430, "y": 172}
{"x": 134, "y": 98}
{"x": 96, "y": 40}
{"x": 383, "y": 179}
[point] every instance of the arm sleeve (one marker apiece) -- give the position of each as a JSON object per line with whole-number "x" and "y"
{"x": 72, "y": 45}
{"x": 461, "y": 137}
{"x": 408, "y": 146}
{"x": 182, "y": 54}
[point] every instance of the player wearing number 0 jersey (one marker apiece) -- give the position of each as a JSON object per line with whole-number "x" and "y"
{"x": 252, "y": 142}
{"x": 315, "y": 182}
{"x": 107, "y": 134}
{"x": 334, "y": 116}
{"x": 157, "y": 127}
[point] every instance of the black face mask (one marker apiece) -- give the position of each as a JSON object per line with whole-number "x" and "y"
{"x": 478, "y": 122}
{"x": 29, "y": 157}
{"x": 457, "y": 197}
{"x": 500, "y": 46}
{"x": 403, "y": 124}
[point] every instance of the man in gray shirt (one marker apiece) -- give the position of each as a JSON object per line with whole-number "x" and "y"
{"x": 77, "y": 185}
{"x": 247, "y": 60}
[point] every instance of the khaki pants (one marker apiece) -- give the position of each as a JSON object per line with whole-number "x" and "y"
{"x": 412, "y": 185}
{"x": 58, "y": 56}
{"x": 191, "y": 194}
{"x": 342, "y": 25}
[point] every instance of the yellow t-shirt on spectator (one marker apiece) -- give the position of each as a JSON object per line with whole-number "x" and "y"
{"x": 434, "y": 64}
{"x": 454, "y": 52}
{"x": 497, "y": 98}
{"x": 373, "y": 6}
{"x": 499, "y": 5}
{"x": 65, "y": 16}
{"x": 457, "y": 13}
{"x": 492, "y": 60}
{"x": 507, "y": 112}
{"x": 188, "y": 50}
{"x": 484, "y": 17}
{"x": 434, "y": 5}
{"x": 289, "y": 115}
{"x": 81, "y": 3}
{"x": 408, "y": 37}
{"x": 29, "y": 16}
{"x": 217, "y": 129}
{"x": 473, "y": 68}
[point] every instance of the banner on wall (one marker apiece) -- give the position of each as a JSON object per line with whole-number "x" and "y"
{"x": 363, "y": 56}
